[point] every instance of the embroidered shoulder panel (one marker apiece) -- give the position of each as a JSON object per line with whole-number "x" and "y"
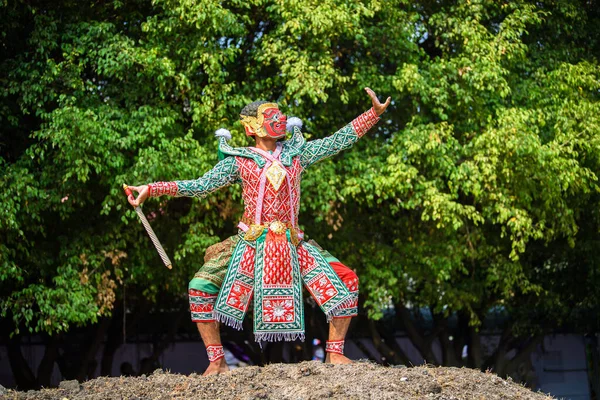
{"x": 291, "y": 148}
{"x": 245, "y": 152}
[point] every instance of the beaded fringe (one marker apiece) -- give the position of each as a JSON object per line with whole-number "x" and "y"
{"x": 278, "y": 336}
{"x": 229, "y": 321}
{"x": 234, "y": 323}
{"x": 346, "y": 303}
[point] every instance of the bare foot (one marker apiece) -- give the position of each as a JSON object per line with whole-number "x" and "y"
{"x": 334, "y": 358}
{"x": 216, "y": 367}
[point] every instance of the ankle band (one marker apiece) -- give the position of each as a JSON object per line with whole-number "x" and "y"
{"x": 335, "y": 346}
{"x": 215, "y": 352}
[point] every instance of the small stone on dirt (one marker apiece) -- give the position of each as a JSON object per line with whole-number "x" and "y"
{"x": 71, "y": 386}
{"x": 433, "y": 387}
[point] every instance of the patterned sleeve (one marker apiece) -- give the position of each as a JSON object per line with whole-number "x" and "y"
{"x": 317, "y": 150}
{"x": 223, "y": 174}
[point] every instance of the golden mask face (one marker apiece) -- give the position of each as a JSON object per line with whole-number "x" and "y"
{"x": 268, "y": 122}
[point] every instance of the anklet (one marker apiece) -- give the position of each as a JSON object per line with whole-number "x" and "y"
{"x": 335, "y": 346}
{"x": 215, "y": 352}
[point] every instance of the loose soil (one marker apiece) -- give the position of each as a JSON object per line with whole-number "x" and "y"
{"x": 307, "y": 380}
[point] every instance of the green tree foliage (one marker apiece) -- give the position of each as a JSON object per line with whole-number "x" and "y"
{"x": 478, "y": 189}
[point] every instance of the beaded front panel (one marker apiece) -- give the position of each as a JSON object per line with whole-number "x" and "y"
{"x": 277, "y": 203}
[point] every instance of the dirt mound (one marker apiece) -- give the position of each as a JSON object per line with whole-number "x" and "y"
{"x": 307, "y": 380}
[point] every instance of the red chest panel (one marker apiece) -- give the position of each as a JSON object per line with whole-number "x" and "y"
{"x": 278, "y": 205}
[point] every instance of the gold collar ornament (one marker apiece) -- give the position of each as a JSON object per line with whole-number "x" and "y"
{"x": 276, "y": 175}
{"x": 255, "y": 124}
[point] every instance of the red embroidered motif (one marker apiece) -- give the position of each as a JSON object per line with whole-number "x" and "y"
{"x": 247, "y": 262}
{"x": 215, "y": 352}
{"x": 277, "y": 269}
{"x": 352, "y": 284}
{"x": 365, "y": 121}
{"x": 195, "y": 292}
{"x": 306, "y": 261}
{"x": 201, "y": 305}
{"x": 321, "y": 288}
{"x": 240, "y": 295}
{"x": 276, "y": 205}
{"x": 159, "y": 188}
{"x": 335, "y": 346}
{"x": 278, "y": 309}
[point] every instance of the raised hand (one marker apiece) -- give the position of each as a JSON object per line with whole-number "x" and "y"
{"x": 142, "y": 196}
{"x": 377, "y": 106}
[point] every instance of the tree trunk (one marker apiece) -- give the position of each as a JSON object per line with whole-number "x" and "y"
{"x": 500, "y": 364}
{"x": 523, "y": 354}
{"x": 115, "y": 333}
{"x": 365, "y": 350}
{"x": 274, "y": 352}
{"x": 113, "y": 342}
{"x": 595, "y": 370}
{"x": 474, "y": 350}
{"x": 24, "y": 377}
{"x": 461, "y": 338}
{"x": 497, "y": 361}
{"x": 161, "y": 345}
{"x": 46, "y": 367}
{"x": 449, "y": 358}
{"x": 420, "y": 341}
{"x": 392, "y": 352}
{"x": 89, "y": 358}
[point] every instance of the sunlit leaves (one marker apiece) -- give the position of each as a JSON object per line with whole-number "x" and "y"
{"x": 487, "y": 158}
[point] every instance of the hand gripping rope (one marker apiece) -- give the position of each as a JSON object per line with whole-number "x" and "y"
{"x": 159, "y": 248}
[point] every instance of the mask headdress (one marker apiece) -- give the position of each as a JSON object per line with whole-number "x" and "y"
{"x": 254, "y": 124}
{"x": 251, "y": 117}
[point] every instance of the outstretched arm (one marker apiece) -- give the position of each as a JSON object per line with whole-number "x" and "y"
{"x": 223, "y": 174}
{"x": 317, "y": 150}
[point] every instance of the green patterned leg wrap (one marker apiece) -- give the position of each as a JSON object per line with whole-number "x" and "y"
{"x": 204, "y": 287}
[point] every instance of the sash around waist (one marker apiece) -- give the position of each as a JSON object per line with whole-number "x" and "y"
{"x": 253, "y": 231}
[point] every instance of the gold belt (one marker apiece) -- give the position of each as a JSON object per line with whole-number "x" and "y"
{"x": 255, "y": 230}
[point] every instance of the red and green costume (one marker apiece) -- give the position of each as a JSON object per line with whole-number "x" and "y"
{"x": 268, "y": 261}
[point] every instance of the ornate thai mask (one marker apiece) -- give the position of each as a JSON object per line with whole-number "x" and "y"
{"x": 268, "y": 122}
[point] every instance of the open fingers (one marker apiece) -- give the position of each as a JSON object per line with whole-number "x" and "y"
{"x": 377, "y": 106}
{"x": 372, "y": 95}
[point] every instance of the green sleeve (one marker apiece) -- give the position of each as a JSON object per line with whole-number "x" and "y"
{"x": 224, "y": 173}
{"x": 319, "y": 149}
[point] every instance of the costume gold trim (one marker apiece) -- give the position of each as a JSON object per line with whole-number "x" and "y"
{"x": 254, "y": 231}
{"x": 255, "y": 124}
